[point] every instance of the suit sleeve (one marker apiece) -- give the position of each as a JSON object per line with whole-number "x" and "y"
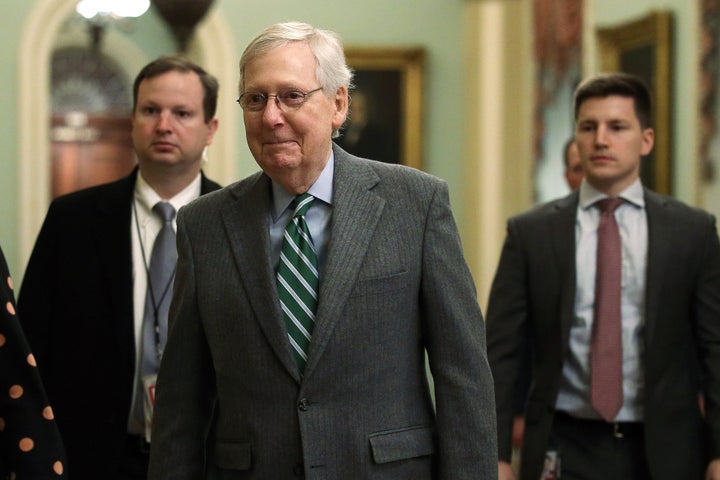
{"x": 186, "y": 382}
{"x": 506, "y": 322}
{"x": 36, "y": 301}
{"x": 455, "y": 334}
{"x": 707, "y": 318}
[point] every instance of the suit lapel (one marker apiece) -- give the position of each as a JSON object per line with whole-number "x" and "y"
{"x": 247, "y": 224}
{"x": 349, "y": 241}
{"x": 113, "y": 239}
{"x": 562, "y": 226}
{"x": 659, "y": 251}
{"x": 114, "y": 249}
{"x": 111, "y": 230}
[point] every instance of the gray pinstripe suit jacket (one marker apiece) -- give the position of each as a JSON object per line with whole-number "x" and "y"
{"x": 395, "y": 284}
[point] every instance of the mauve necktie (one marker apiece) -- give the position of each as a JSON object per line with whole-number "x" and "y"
{"x": 606, "y": 349}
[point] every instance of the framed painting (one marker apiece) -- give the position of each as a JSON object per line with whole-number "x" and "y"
{"x": 643, "y": 48}
{"x": 385, "y": 118}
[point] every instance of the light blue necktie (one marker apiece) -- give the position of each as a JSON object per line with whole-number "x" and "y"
{"x": 160, "y": 273}
{"x": 159, "y": 291}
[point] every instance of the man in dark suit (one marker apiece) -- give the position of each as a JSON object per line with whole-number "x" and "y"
{"x": 240, "y": 390}
{"x": 86, "y": 285}
{"x": 642, "y": 420}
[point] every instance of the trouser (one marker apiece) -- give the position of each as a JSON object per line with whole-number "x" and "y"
{"x": 135, "y": 459}
{"x": 598, "y": 450}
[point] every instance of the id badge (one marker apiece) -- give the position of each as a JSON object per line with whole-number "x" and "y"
{"x": 551, "y": 469}
{"x": 149, "y": 382}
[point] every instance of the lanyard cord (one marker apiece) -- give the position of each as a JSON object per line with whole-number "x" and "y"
{"x": 155, "y": 304}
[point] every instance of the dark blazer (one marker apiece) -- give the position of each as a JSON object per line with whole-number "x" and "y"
{"x": 76, "y": 305}
{"x": 532, "y": 298}
{"x": 30, "y": 444}
{"x": 395, "y": 281}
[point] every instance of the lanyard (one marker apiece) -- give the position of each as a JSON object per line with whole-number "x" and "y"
{"x": 154, "y": 300}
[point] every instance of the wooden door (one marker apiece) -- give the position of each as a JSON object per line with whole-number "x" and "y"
{"x": 89, "y": 149}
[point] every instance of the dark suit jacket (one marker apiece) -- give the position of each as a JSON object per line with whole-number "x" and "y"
{"x": 533, "y": 297}
{"x": 27, "y": 416}
{"x": 395, "y": 281}
{"x": 77, "y": 310}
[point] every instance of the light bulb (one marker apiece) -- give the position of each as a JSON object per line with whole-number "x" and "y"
{"x": 118, "y": 8}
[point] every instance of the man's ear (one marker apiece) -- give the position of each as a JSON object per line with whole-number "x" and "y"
{"x": 648, "y": 141}
{"x": 341, "y": 103}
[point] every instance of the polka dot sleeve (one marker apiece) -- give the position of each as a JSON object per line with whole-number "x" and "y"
{"x": 30, "y": 444}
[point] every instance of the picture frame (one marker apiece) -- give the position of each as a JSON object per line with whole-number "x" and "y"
{"x": 386, "y": 107}
{"x": 643, "y": 47}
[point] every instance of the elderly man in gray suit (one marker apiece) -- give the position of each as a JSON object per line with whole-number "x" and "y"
{"x": 298, "y": 335}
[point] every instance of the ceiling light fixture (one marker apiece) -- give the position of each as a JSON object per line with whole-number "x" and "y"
{"x": 91, "y": 9}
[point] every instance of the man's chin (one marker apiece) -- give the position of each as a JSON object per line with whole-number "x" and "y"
{"x": 279, "y": 150}
{"x": 279, "y": 160}
{"x": 160, "y": 161}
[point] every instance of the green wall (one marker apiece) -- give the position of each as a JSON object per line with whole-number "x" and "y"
{"x": 432, "y": 24}
{"x": 13, "y": 14}
{"x": 437, "y": 25}
{"x": 684, "y": 72}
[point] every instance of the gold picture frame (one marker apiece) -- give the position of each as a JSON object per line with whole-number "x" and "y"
{"x": 643, "y": 47}
{"x": 385, "y": 118}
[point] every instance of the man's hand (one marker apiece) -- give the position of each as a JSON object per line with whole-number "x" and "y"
{"x": 713, "y": 470}
{"x": 505, "y": 471}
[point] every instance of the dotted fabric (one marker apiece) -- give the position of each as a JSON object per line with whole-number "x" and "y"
{"x": 30, "y": 445}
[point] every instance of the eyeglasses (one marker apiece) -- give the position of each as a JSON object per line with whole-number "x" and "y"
{"x": 291, "y": 98}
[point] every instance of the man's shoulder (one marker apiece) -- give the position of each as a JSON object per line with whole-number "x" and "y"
{"x": 390, "y": 180}
{"x": 674, "y": 208}
{"x": 92, "y": 197}
{"x": 214, "y": 197}
{"x": 544, "y": 211}
{"x": 352, "y": 166}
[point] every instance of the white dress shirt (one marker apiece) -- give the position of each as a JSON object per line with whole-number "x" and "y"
{"x": 144, "y": 227}
{"x": 574, "y": 394}
{"x": 317, "y": 217}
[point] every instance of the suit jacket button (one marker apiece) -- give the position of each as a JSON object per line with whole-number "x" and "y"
{"x": 299, "y": 470}
{"x": 303, "y": 405}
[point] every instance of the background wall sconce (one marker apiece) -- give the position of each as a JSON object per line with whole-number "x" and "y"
{"x": 113, "y": 8}
{"x": 101, "y": 13}
{"x": 182, "y": 16}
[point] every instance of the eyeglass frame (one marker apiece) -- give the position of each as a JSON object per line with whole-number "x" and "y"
{"x": 280, "y": 104}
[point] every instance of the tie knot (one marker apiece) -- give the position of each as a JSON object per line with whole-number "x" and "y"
{"x": 165, "y": 210}
{"x": 301, "y": 204}
{"x": 608, "y": 205}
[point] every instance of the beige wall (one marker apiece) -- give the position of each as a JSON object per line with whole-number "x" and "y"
{"x": 32, "y": 27}
{"x": 498, "y": 124}
{"x": 498, "y": 181}
{"x": 477, "y": 98}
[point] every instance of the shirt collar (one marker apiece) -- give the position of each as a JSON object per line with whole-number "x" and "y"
{"x": 632, "y": 194}
{"x": 321, "y": 189}
{"x": 147, "y": 197}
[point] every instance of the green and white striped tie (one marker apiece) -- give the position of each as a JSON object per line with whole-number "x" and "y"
{"x": 297, "y": 279}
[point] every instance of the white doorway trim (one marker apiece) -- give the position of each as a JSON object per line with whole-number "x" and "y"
{"x": 213, "y": 47}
